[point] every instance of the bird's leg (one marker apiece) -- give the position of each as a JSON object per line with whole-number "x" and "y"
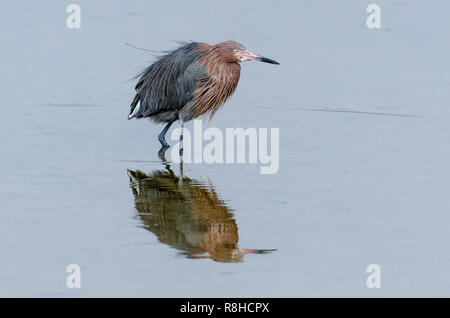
{"x": 162, "y": 134}
{"x": 181, "y": 139}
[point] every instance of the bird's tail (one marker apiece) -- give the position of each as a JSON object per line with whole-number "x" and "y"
{"x": 135, "y": 106}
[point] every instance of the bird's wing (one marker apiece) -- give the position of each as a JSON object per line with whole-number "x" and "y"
{"x": 169, "y": 83}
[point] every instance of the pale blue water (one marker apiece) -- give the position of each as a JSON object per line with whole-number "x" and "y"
{"x": 357, "y": 184}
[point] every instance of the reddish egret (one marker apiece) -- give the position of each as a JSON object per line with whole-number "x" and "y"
{"x": 191, "y": 81}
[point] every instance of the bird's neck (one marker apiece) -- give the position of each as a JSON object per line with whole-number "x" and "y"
{"x": 220, "y": 69}
{"x": 220, "y": 83}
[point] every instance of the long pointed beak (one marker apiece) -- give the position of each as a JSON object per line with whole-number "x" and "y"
{"x": 267, "y": 60}
{"x": 249, "y": 56}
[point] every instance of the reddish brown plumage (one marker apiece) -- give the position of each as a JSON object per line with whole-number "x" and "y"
{"x": 223, "y": 70}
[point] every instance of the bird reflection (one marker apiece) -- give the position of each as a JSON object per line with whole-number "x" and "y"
{"x": 188, "y": 215}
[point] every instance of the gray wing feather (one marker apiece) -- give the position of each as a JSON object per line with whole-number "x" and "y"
{"x": 169, "y": 83}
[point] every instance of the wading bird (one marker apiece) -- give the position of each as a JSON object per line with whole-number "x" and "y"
{"x": 191, "y": 81}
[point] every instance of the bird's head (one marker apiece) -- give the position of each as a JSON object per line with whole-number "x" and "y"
{"x": 238, "y": 53}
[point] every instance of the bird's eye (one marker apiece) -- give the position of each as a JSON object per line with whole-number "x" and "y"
{"x": 235, "y": 51}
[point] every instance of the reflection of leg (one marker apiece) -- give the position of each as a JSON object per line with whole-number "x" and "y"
{"x": 181, "y": 170}
{"x": 162, "y": 135}
{"x": 162, "y": 154}
{"x": 162, "y": 157}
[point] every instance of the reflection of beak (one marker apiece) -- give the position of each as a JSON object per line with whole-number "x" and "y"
{"x": 249, "y": 56}
{"x": 247, "y": 251}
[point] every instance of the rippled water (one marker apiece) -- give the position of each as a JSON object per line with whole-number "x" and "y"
{"x": 364, "y": 154}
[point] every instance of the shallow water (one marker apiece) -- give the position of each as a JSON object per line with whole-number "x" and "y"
{"x": 364, "y": 152}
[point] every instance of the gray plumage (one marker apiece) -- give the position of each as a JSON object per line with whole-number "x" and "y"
{"x": 167, "y": 85}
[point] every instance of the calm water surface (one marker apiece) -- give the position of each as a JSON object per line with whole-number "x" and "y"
{"x": 364, "y": 154}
